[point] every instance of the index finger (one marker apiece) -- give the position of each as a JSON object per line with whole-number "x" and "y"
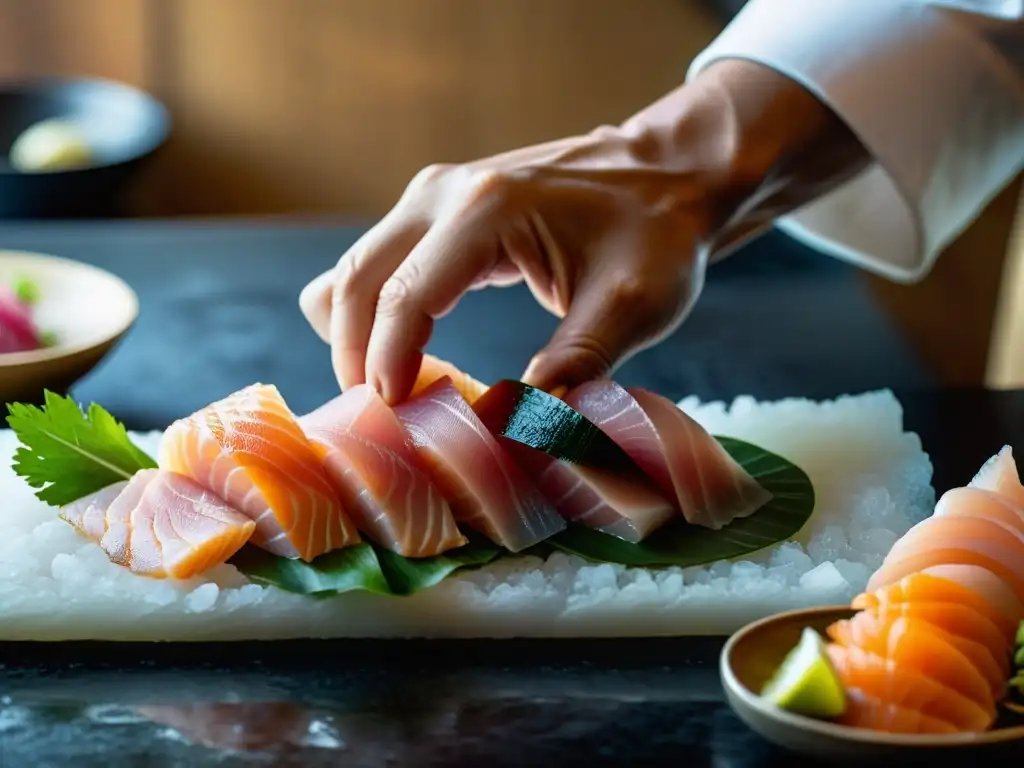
{"x": 426, "y": 285}
{"x": 357, "y": 282}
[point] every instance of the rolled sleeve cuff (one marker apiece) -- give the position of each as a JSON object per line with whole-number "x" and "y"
{"x": 928, "y": 94}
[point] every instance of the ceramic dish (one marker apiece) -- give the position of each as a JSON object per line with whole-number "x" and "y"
{"x": 87, "y": 309}
{"x": 752, "y": 654}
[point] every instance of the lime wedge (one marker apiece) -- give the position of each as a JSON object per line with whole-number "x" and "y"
{"x": 806, "y": 683}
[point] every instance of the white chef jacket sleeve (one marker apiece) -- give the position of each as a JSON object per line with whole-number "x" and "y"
{"x": 934, "y": 90}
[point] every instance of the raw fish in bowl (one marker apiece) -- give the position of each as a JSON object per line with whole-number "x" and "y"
{"x": 18, "y": 330}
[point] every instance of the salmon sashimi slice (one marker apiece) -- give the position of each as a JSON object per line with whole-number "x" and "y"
{"x": 370, "y": 458}
{"x": 888, "y": 682}
{"x": 956, "y": 540}
{"x": 625, "y": 507}
{"x": 88, "y": 515}
{"x": 686, "y": 463}
{"x": 872, "y": 713}
{"x": 999, "y": 474}
{"x": 920, "y": 647}
{"x": 433, "y": 369}
{"x": 976, "y": 502}
{"x": 484, "y": 487}
{"x": 967, "y": 585}
{"x": 957, "y": 619}
{"x": 866, "y": 625}
{"x": 249, "y": 450}
{"x": 163, "y": 525}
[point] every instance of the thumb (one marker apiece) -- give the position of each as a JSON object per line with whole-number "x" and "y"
{"x": 603, "y": 327}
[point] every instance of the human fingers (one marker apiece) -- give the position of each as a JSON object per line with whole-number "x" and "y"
{"x": 442, "y": 267}
{"x": 315, "y": 303}
{"x": 355, "y": 285}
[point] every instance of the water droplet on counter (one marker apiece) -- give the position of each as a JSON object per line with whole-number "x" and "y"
{"x": 322, "y": 735}
{"x": 113, "y": 714}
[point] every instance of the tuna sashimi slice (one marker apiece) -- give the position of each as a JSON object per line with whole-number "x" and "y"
{"x": 18, "y": 332}
{"x": 162, "y": 525}
{"x": 684, "y": 461}
{"x": 627, "y": 508}
{"x": 485, "y": 488}
{"x": 249, "y": 450}
{"x": 370, "y": 459}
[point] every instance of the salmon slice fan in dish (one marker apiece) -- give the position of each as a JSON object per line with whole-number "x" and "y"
{"x": 999, "y": 474}
{"x": 370, "y": 458}
{"x": 956, "y": 541}
{"x": 865, "y": 627}
{"x": 904, "y": 687}
{"x": 485, "y": 488}
{"x": 988, "y": 505}
{"x": 960, "y": 620}
{"x": 249, "y": 449}
{"x": 686, "y": 463}
{"x": 920, "y": 647}
{"x": 163, "y": 525}
{"x": 873, "y": 713}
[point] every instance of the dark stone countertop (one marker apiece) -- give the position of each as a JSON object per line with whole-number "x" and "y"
{"x": 219, "y": 312}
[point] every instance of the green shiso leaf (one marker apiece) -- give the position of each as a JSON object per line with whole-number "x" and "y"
{"x": 68, "y": 453}
{"x": 681, "y": 544}
{"x": 366, "y": 567}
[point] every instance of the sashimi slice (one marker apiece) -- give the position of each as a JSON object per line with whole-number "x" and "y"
{"x": 686, "y": 463}
{"x": 484, "y": 487}
{"x": 999, "y": 474}
{"x": 976, "y": 502}
{"x": 865, "y": 626}
{"x": 906, "y": 688}
{"x": 965, "y": 541}
{"x": 966, "y": 585}
{"x": 433, "y": 369}
{"x": 874, "y": 714}
{"x": 88, "y": 515}
{"x": 627, "y": 508}
{"x": 370, "y": 458}
{"x": 957, "y": 619}
{"x": 918, "y": 646}
{"x": 163, "y": 525}
{"x": 18, "y": 332}
{"x": 250, "y": 451}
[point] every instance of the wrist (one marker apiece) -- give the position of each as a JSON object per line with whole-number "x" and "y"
{"x": 736, "y": 124}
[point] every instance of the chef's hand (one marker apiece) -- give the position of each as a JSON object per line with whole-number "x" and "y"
{"x": 610, "y": 231}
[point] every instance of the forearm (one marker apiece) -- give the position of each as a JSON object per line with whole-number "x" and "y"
{"x": 761, "y": 145}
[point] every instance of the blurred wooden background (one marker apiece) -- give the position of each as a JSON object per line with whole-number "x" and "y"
{"x": 311, "y": 106}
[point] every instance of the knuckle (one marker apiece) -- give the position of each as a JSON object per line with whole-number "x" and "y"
{"x": 631, "y": 292}
{"x": 397, "y": 296}
{"x": 428, "y": 177}
{"x": 346, "y": 278}
{"x": 485, "y": 187}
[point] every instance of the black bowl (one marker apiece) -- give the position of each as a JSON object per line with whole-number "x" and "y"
{"x": 123, "y": 125}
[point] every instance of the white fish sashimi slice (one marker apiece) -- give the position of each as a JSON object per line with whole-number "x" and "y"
{"x": 88, "y": 515}
{"x": 685, "y": 462}
{"x": 620, "y": 507}
{"x": 370, "y": 459}
{"x": 485, "y": 488}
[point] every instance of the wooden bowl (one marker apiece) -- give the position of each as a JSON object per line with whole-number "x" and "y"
{"x": 755, "y": 652}
{"x": 88, "y": 309}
